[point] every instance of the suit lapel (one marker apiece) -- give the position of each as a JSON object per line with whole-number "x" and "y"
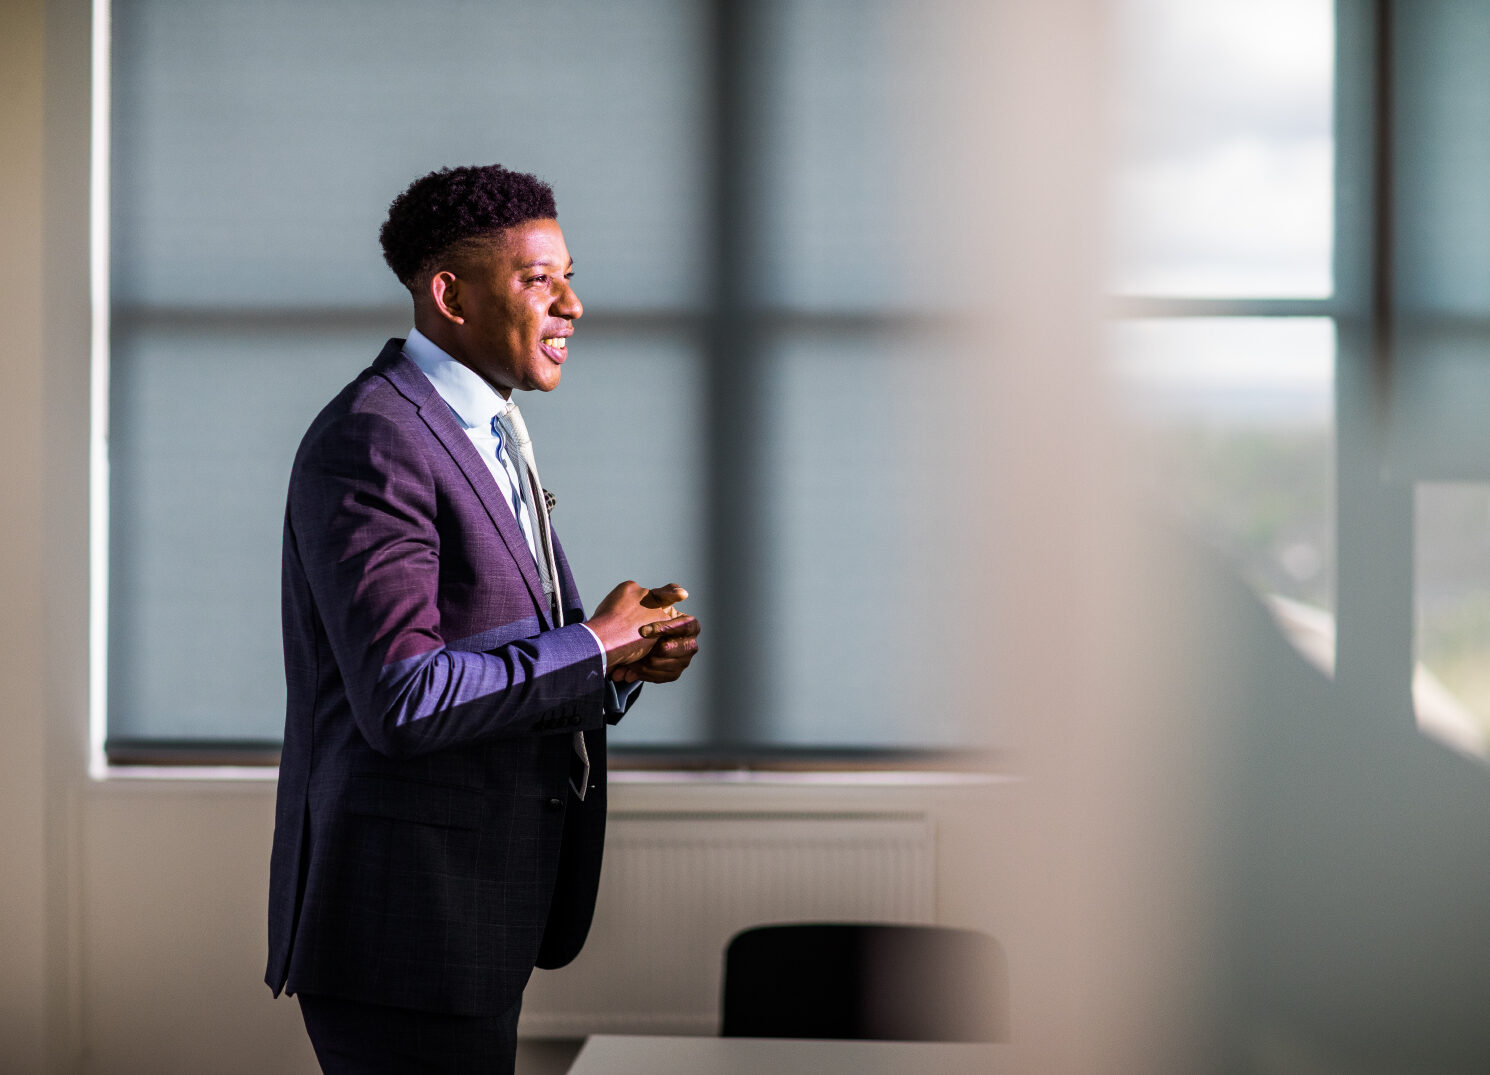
{"x": 436, "y": 413}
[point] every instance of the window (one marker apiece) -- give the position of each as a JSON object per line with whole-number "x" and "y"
{"x": 1437, "y": 441}
{"x": 726, "y": 176}
{"x": 1301, "y": 279}
{"x": 1223, "y": 258}
{"x": 1299, "y": 275}
{"x": 1451, "y": 589}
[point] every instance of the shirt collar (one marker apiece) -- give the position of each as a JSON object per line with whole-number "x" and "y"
{"x": 474, "y": 401}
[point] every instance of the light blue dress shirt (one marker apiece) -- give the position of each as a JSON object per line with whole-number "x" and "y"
{"x": 477, "y": 406}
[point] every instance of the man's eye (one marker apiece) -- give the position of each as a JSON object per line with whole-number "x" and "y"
{"x": 540, "y": 279}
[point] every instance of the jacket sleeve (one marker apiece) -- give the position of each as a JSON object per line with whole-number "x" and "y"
{"x": 362, "y": 510}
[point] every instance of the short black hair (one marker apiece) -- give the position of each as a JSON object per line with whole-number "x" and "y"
{"x": 446, "y": 208}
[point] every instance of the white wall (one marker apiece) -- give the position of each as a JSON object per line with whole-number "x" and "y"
{"x": 173, "y": 908}
{"x": 24, "y": 861}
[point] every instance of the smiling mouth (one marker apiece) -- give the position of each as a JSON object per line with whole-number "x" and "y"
{"x": 558, "y": 343}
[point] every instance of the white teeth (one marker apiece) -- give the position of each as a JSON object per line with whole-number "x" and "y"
{"x": 556, "y": 341}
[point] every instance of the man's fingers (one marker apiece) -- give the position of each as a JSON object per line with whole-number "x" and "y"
{"x": 663, "y": 596}
{"x": 674, "y": 641}
{"x": 674, "y": 647}
{"x": 681, "y": 627}
{"x": 654, "y": 673}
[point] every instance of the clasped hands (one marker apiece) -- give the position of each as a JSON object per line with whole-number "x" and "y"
{"x": 646, "y": 639}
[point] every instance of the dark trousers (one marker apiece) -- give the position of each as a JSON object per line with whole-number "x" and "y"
{"x": 352, "y": 1038}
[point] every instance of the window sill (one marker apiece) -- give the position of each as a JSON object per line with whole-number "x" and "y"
{"x": 814, "y": 768}
{"x": 810, "y": 777}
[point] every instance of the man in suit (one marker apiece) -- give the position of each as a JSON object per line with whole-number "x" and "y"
{"x": 441, "y": 804}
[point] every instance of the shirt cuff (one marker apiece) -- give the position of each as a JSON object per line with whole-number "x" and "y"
{"x": 622, "y": 693}
{"x": 604, "y": 663}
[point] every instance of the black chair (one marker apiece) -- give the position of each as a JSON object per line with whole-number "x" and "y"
{"x": 865, "y": 981}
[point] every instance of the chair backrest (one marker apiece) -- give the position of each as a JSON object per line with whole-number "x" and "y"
{"x": 866, "y": 981}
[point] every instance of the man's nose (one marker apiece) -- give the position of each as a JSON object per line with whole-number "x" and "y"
{"x": 567, "y": 304}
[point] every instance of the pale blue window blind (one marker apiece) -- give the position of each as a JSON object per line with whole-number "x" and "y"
{"x": 256, "y": 145}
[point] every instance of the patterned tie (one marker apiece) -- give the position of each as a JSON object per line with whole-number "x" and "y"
{"x": 534, "y": 499}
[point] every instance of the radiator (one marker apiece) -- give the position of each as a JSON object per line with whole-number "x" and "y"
{"x": 676, "y": 887}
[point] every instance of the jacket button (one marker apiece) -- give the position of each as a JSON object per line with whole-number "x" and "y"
{"x": 556, "y": 804}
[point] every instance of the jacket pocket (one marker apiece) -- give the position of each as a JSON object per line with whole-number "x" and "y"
{"x": 447, "y": 806}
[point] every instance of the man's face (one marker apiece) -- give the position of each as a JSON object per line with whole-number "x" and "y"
{"x": 517, "y": 308}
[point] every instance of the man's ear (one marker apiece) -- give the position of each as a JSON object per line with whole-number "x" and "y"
{"x": 444, "y": 289}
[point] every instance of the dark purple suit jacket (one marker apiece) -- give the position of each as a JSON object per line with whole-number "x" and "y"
{"x": 427, "y": 849}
